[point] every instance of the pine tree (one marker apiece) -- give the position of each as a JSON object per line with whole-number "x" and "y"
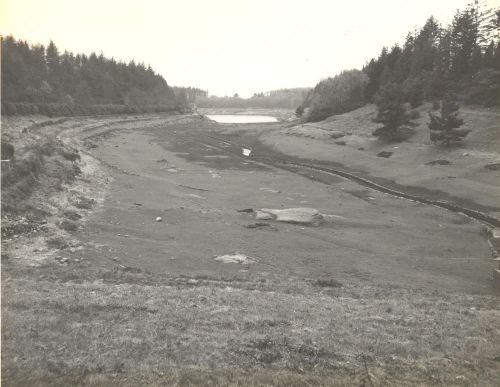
{"x": 445, "y": 128}
{"x": 391, "y": 113}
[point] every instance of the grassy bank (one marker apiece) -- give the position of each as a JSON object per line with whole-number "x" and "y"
{"x": 66, "y": 326}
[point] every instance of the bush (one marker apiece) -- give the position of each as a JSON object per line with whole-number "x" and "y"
{"x": 414, "y": 114}
{"x": 9, "y": 109}
{"x": 485, "y": 89}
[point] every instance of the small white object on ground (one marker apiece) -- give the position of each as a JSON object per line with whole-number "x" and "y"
{"x": 234, "y": 258}
{"x": 246, "y": 152}
{"x": 274, "y": 191}
{"x": 158, "y": 219}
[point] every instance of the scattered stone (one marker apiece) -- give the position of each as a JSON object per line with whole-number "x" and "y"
{"x": 192, "y": 281}
{"x": 246, "y": 152}
{"x": 159, "y": 219}
{"x": 57, "y": 243}
{"x": 493, "y": 167}
{"x": 68, "y": 225}
{"x": 274, "y": 191}
{"x": 328, "y": 283}
{"x": 72, "y": 215}
{"x": 438, "y": 162}
{"x": 62, "y": 259}
{"x": 257, "y": 225}
{"x": 84, "y": 203}
{"x": 385, "y": 154}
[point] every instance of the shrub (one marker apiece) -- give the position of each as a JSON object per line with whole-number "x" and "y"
{"x": 414, "y": 114}
{"x": 9, "y": 109}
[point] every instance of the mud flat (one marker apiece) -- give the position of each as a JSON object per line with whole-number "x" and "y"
{"x": 382, "y": 289}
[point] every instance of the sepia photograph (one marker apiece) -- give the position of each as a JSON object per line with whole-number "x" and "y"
{"x": 250, "y": 193}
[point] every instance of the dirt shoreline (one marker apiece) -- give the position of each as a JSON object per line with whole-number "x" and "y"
{"x": 313, "y": 304}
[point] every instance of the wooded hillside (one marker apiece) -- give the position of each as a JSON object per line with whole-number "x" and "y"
{"x": 38, "y": 79}
{"x": 461, "y": 59}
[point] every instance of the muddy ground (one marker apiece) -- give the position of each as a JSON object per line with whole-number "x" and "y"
{"x": 383, "y": 291}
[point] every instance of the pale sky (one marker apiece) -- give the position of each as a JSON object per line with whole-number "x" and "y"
{"x": 227, "y": 46}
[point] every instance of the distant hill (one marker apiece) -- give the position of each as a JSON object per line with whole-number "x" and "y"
{"x": 41, "y": 80}
{"x": 282, "y": 98}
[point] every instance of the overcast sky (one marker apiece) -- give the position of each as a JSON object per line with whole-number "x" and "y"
{"x": 227, "y": 46}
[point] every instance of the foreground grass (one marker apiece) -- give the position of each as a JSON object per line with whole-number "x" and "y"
{"x": 123, "y": 328}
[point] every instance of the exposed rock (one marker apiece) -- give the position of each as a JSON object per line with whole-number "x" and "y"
{"x": 438, "y": 162}
{"x": 258, "y": 225}
{"x": 260, "y": 215}
{"x": 158, "y": 219}
{"x": 246, "y": 210}
{"x": 234, "y": 258}
{"x": 385, "y": 154}
{"x": 493, "y": 167}
{"x": 335, "y": 135}
{"x": 305, "y": 215}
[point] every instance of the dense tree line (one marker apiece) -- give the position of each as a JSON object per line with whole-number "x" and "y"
{"x": 461, "y": 59}
{"x": 340, "y": 94}
{"x": 38, "y": 79}
{"x": 188, "y": 95}
{"x": 282, "y": 98}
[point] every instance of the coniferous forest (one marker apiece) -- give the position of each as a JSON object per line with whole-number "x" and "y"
{"x": 460, "y": 60}
{"x": 41, "y": 80}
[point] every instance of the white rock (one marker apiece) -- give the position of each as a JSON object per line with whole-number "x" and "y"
{"x": 233, "y": 258}
{"x": 304, "y": 215}
{"x": 260, "y": 215}
{"x": 158, "y": 219}
{"x": 495, "y": 233}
